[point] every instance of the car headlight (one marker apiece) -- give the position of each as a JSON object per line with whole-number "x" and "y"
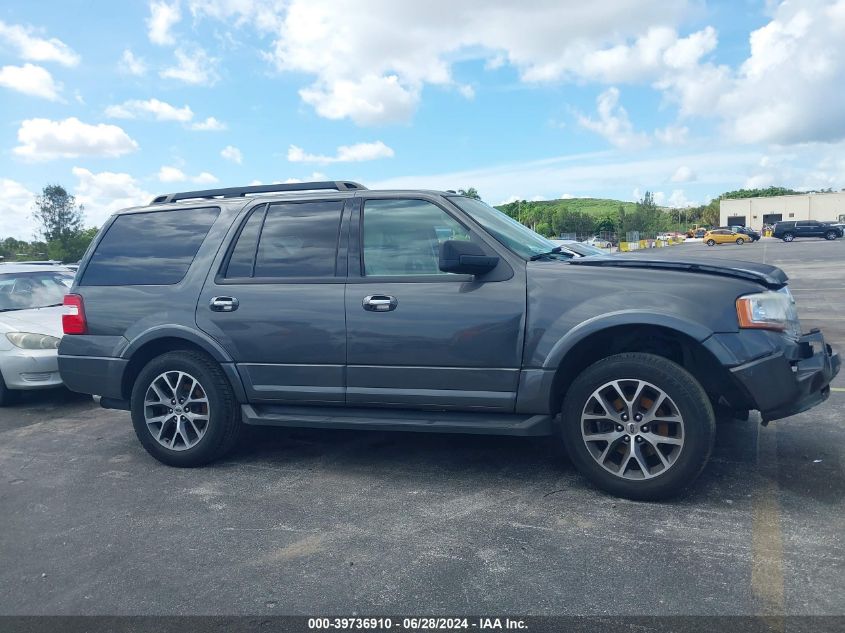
{"x": 26, "y": 340}
{"x": 769, "y": 311}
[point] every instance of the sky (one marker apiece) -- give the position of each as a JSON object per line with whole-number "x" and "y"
{"x": 121, "y": 101}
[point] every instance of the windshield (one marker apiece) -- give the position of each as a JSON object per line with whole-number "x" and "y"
{"x": 40, "y": 289}
{"x": 517, "y": 237}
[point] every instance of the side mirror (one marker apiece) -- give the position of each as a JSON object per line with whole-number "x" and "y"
{"x": 463, "y": 257}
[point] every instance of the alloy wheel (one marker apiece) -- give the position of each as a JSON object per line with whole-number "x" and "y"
{"x": 632, "y": 429}
{"x": 176, "y": 410}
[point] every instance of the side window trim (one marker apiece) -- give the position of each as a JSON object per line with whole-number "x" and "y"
{"x": 421, "y": 278}
{"x": 223, "y": 270}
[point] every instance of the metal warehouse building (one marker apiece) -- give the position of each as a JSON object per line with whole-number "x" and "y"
{"x": 755, "y": 212}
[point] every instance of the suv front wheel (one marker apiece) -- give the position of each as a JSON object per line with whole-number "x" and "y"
{"x": 788, "y": 237}
{"x": 183, "y": 409}
{"x": 830, "y": 235}
{"x": 638, "y": 425}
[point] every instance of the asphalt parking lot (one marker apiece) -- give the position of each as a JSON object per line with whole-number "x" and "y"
{"x": 308, "y": 522}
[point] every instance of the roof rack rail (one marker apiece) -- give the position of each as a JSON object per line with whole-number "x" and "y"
{"x": 237, "y": 192}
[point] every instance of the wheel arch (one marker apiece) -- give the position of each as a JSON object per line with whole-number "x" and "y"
{"x": 174, "y": 338}
{"x": 683, "y": 346}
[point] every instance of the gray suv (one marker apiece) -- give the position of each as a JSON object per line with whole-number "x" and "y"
{"x": 328, "y": 305}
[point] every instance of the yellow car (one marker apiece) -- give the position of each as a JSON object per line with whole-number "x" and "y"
{"x": 723, "y": 236}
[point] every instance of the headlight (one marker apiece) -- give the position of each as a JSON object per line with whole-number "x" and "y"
{"x": 25, "y": 340}
{"x": 769, "y": 311}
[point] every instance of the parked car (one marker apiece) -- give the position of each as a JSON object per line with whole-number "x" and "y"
{"x": 750, "y": 234}
{"x": 579, "y": 249}
{"x": 723, "y": 236}
{"x": 788, "y": 231}
{"x": 598, "y": 242}
{"x": 328, "y": 305}
{"x": 30, "y": 326}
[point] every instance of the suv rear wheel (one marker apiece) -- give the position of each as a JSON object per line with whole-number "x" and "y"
{"x": 183, "y": 409}
{"x": 788, "y": 237}
{"x": 638, "y": 426}
{"x": 830, "y": 235}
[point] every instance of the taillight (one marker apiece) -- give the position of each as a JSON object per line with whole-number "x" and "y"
{"x": 73, "y": 319}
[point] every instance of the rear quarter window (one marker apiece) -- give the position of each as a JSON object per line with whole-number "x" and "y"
{"x": 155, "y": 248}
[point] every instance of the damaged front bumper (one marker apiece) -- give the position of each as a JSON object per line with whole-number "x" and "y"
{"x": 793, "y": 380}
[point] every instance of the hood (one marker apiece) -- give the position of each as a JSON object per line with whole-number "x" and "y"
{"x": 769, "y": 276}
{"x": 35, "y": 320}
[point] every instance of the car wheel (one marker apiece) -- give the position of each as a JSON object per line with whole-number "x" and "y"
{"x": 183, "y": 409}
{"x": 7, "y": 396}
{"x": 830, "y": 235}
{"x": 638, "y": 426}
{"x": 788, "y": 237}
{"x": 740, "y": 241}
{"x": 711, "y": 242}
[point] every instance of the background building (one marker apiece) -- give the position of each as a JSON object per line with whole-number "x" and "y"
{"x": 755, "y": 212}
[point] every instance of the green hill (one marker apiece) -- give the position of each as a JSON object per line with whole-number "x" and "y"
{"x": 590, "y": 206}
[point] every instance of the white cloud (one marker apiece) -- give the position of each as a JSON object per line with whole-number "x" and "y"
{"x": 683, "y": 174}
{"x": 30, "y": 80}
{"x": 370, "y": 100}
{"x": 163, "y": 17}
{"x": 44, "y": 139}
{"x": 16, "y": 202}
{"x": 613, "y": 123}
{"x": 209, "y": 125}
{"x": 159, "y": 110}
{"x": 345, "y": 154}
{"x": 467, "y": 91}
{"x": 105, "y": 192}
{"x": 613, "y": 174}
{"x": 171, "y": 174}
{"x": 34, "y": 48}
{"x": 205, "y": 178}
{"x": 232, "y": 153}
{"x": 373, "y": 70}
{"x": 193, "y": 67}
{"x": 132, "y": 65}
{"x": 672, "y": 135}
{"x": 679, "y": 200}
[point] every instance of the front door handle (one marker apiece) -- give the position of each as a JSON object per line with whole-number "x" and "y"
{"x": 380, "y": 303}
{"x": 223, "y": 304}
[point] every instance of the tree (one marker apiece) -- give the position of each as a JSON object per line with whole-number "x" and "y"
{"x": 57, "y": 212}
{"x": 72, "y": 248}
{"x": 472, "y": 192}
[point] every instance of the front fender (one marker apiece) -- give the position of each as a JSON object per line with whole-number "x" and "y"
{"x": 631, "y": 317}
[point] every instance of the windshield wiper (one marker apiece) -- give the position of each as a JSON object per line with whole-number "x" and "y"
{"x": 557, "y": 250}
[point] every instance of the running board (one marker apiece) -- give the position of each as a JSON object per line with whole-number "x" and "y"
{"x": 396, "y": 420}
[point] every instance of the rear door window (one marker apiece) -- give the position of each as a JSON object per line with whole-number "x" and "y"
{"x": 299, "y": 239}
{"x": 155, "y": 248}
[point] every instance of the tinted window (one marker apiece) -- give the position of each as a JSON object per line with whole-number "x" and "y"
{"x": 402, "y": 237}
{"x": 149, "y": 248}
{"x": 805, "y": 223}
{"x": 243, "y": 255}
{"x": 299, "y": 240}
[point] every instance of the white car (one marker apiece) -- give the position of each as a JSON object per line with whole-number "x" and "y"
{"x": 598, "y": 242}
{"x": 30, "y": 326}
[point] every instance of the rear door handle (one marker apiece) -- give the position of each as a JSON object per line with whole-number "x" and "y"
{"x": 223, "y": 304}
{"x": 379, "y": 303}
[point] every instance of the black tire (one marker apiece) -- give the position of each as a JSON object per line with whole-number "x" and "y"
{"x": 699, "y": 425}
{"x": 788, "y": 237}
{"x": 830, "y": 235}
{"x": 740, "y": 241}
{"x": 711, "y": 242}
{"x": 224, "y": 422}
{"x": 7, "y": 396}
